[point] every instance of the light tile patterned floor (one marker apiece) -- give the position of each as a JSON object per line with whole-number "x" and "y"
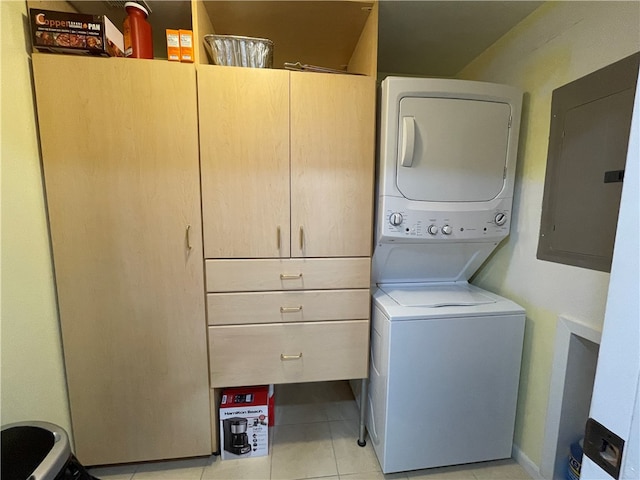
{"x": 314, "y": 438}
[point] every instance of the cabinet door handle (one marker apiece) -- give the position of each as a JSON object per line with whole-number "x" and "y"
{"x": 278, "y": 241}
{"x": 301, "y": 238}
{"x": 285, "y": 276}
{"x": 189, "y": 246}
{"x": 290, "y": 309}
{"x": 290, "y": 357}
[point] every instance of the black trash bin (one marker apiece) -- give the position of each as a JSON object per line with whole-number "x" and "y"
{"x": 39, "y": 451}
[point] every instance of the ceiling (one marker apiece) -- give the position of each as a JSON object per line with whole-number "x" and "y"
{"x": 439, "y": 38}
{"x": 427, "y": 37}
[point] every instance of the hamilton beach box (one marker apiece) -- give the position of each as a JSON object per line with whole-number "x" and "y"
{"x": 65, "y": 32}
{"x": 244, "y": 422}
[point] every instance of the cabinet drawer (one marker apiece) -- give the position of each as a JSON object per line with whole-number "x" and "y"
{"x": 288, "y": 352}
{"x": 287, "y": 274}
{"x": 274, "y": 307}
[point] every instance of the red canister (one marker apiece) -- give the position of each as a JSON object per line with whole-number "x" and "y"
{"x": 138, "y": 41}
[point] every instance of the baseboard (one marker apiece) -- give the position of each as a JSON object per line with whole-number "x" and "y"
{"x": 525, "y": 462}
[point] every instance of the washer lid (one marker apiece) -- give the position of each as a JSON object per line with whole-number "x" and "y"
{"x": 434, "y": 296}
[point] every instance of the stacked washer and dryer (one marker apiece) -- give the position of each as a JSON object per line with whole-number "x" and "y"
{"x": 445, "y": 354}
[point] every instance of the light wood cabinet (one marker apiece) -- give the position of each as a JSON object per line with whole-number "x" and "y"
{"x": 287, "y": 167}
{"x": 332, "y": 164}
{"x": 287, "y": 172}
{"x": 244, "y": 154}
{"x": 287, "y": 163}
{"x": 285, "y": 196}
{"x": 120, "y": 156}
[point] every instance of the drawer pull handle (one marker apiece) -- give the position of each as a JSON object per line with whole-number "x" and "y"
{"x": 290, "y": 309}
{"x": 284, "y": 276}
{"x": 290, "y": 357}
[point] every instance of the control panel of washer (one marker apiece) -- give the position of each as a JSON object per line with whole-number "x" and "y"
{"x": 400, "y": 223}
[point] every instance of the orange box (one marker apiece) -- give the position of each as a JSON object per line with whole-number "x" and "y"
{"x": 186, "y": 46}
{"x": 173, "y": 45}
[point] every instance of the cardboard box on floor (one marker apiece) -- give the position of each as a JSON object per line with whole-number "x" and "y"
{"x": 244, "y": 422}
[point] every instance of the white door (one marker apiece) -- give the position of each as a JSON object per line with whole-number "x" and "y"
{"x": 452, "y": 149}
{"x": 615, "y": 402}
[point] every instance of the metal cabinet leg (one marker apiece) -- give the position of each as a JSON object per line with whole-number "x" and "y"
{"x": 363, "y": 412}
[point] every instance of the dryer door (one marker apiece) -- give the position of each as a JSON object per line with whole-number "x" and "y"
{"x": 452, "y": 150}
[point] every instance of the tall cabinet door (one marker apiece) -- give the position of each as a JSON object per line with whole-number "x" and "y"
{"x": 244, "y": 148}
{"x": 120, "y": 153}
{"x": 332, "y": 164}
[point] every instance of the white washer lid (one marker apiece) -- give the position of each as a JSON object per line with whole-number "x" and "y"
{"x": 433, "y": 296}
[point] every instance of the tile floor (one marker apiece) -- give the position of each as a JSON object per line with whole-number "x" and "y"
{"x": 314, "y": 438}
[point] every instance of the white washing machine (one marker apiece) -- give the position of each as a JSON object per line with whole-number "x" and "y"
{"x": 445, "y": 364}
{"x": 445, "y": 355}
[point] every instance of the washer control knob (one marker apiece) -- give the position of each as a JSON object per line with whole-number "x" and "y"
{"x": 395, "y": 219}
{"x": 447, "y": 230}
{"x": 432, "y": 229}
{"x": 500, "y": 219}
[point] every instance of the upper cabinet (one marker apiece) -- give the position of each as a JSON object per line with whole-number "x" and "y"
{"x": 332, "y": 164}
{"x": 244, "y": 154}
{"x": 286, "y": 163}
{"x": 287, "y": 158}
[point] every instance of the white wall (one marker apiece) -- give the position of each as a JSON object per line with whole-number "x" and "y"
{"x": 32, "y": 375}
{"x": 558, "y": 43}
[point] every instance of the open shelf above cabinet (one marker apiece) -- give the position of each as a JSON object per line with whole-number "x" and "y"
{"x": 341, "y": 35}
{"x": 336, "y": 34}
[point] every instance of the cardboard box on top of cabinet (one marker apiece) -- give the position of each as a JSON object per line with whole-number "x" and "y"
{"x": 186, "y": 46}
{"x": 65, "y": 32}
{"x": 244, "y": 422}
{"x": 173, "y": 45}
{"x": 180, "y": 45}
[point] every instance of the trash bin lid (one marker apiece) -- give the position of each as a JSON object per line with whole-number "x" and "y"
{"x": 33, "y": 448}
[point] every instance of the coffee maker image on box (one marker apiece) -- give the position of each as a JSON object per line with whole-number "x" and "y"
{"x": 236, "y": 440}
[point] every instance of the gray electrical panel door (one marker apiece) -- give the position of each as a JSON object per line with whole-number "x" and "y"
{"x": 590, "y": 125}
